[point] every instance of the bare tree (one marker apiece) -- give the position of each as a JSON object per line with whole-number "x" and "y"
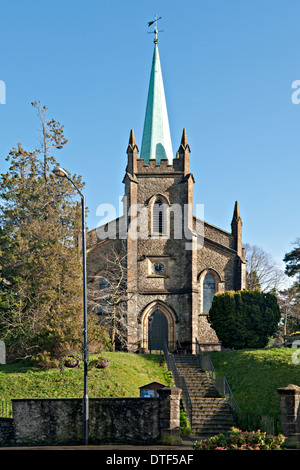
{"x": 108, "y": 295}
{"x": 289, "y": 303}
{"x": 262, "y": 271}
{"x": 52, "y": 135}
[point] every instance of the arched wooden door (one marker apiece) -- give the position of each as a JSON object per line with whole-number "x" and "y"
{"x": 157, "y": 331}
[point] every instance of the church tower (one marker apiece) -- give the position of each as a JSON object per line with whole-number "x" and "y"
{"x": 159, "y": 195}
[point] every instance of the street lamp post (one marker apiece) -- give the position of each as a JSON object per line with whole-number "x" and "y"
{"x": 60, "y": 172}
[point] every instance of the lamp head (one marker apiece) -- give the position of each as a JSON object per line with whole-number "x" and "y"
{"x": 58, "y": 171}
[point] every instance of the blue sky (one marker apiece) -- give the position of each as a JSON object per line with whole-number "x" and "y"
{"x": 228, "y": 68}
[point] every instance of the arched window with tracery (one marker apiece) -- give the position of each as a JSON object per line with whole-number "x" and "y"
{"x": 209, "y": 290}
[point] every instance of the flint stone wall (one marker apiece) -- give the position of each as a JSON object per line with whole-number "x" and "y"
{"x": 111, "y": 420}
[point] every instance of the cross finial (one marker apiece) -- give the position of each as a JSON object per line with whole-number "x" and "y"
{"x": 155, "y": 28}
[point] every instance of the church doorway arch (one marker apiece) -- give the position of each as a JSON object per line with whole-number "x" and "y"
{"x": 157, "y": 330}
{"x": 158, "y": 323}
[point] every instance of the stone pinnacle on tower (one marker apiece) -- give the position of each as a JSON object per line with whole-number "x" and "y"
{"x": 236, "y": 228}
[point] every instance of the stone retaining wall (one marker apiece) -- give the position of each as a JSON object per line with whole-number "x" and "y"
{"x": 111, "y": 420}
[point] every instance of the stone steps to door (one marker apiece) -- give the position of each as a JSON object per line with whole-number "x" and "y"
{"x": 211, "y": 414}
{"x": 206, "y": 415}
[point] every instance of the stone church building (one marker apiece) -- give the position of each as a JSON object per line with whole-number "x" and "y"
{"x": 175, "y": 262}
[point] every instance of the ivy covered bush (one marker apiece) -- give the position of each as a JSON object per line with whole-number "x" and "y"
{"x": 236, "y": 439}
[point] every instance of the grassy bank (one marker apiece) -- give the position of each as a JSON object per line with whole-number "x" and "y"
{"x": 125, "y": 374}
{"x": 255, "y": 375}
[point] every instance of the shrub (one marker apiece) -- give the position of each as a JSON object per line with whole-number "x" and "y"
{"x": 45, "y": 361}
{"x": 236, "y": 439}
{"x": 185, "y": 428}
{"x": 244, "y": 319}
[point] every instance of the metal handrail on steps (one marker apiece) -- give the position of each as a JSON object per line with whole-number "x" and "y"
{"x": 220, "y": 383}
{"x": 180, "y": 382}
{"x": 5, "y": 408}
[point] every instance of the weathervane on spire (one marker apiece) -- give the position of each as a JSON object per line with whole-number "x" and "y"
{"x": 155, "y": 28}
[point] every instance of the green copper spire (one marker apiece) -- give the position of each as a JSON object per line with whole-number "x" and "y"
{"x": 156, "y": 141}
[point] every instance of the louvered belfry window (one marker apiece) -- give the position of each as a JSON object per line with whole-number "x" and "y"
{"x": 158, "y": 217}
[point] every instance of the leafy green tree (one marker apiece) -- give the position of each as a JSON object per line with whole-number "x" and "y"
{"x": 244, "y": 319}
{"x": 292, "y": 260}
{"x": 41, "y": 303}
{"x": 290, "y": 297}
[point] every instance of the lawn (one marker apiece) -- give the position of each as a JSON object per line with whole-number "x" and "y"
{"x": 255, "y": 375}
{"x": 125, "y": 374}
